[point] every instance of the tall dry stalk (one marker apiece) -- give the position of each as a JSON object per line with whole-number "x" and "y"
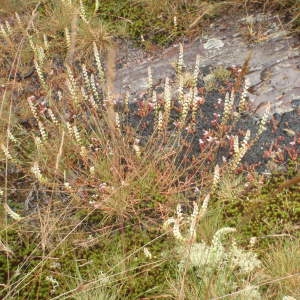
{"x": 110, "y": 80}
{"x": 74, "y": 30}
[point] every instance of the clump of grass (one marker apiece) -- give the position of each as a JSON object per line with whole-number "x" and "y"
{"x": 221, "y": 73}
{"x": 216, "y": 78}
{"x": 283, "y": 261}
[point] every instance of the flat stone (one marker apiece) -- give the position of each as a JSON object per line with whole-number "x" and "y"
{"x": 254, "y": 78}
{"x": 285, "y": 79}
{"x": 213, "y": 44}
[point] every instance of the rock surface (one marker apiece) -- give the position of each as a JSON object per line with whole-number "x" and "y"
{"x": 274, "y": 71}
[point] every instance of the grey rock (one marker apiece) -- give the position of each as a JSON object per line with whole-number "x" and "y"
{"x": 254, "y": 78}
{"x": 213, "y": 44}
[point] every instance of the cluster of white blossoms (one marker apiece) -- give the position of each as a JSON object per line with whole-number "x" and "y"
{"x": 216, "y": 256}
{"x": 208, "y": 260}
{"x": 245, "y": 261}
{"x": 196, "y": 215}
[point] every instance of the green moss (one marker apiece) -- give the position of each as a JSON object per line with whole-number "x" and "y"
{"x": 114, "y": 252}
{"x": 122, "y": 251}
{"x": 267, "y": 212}
{"x": 21, "y": 248}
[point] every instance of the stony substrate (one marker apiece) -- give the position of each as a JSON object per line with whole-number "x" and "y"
{"x": 269, "y": 152}
{"x": 273, "y": 69}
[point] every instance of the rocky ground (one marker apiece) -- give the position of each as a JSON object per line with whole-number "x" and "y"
{"x": 273, "y": 74}
{"x": 269, "y": 152}
{"x": 274, "y": 65}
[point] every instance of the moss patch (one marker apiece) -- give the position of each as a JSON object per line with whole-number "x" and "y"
{"x": 268, "y": 211}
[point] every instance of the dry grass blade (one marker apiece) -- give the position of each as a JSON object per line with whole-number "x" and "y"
{"x": 4, "y": 248}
